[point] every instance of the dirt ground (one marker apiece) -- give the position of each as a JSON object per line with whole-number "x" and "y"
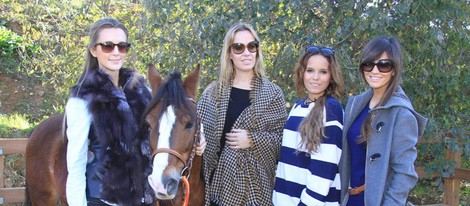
{"x": 20, "y": 95}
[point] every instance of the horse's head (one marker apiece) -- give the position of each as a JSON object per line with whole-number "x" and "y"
{"x": 171, "y": 116}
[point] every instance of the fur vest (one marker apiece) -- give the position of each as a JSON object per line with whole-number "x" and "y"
{"x": 116, "y": 130}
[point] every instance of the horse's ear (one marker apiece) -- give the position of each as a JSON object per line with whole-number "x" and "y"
{"x": 154, "y": 78}
{"x": 191, "y": 83}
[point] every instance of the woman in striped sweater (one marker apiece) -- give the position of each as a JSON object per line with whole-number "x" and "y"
{"x": 307, "y": 171}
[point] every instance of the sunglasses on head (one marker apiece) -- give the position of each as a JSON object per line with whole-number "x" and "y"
{"x": 239, "y": 48}
{"x": 384, "y": 66}
{"x": 108, "y": 47}
{"x": 325, "y": 51}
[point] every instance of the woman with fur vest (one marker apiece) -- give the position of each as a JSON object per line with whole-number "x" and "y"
{"x": 104, "y": 161}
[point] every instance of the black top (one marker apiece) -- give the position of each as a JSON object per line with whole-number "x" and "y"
{"x": 239, "y": 101}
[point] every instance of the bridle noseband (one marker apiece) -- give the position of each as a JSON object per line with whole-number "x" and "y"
{"x": 187, "y": 165}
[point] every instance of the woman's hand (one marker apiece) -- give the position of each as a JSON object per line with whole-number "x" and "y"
{"x": 238, "y": 139}
{"x": 202, "y": 145}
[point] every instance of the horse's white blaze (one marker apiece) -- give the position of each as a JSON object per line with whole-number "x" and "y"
{"x": 160, "y": 160}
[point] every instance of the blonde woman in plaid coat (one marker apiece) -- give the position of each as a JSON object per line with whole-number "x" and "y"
{"x": 243, "y": 114}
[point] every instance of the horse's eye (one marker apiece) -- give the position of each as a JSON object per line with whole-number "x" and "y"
{"x": 189, "y": 125}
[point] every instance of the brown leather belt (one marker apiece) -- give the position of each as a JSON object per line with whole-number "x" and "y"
{"x": 356, "y": 190}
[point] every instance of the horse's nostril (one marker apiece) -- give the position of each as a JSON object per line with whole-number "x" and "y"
{"x": 172, "y": 186}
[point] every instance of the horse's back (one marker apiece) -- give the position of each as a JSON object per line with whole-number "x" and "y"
{"x": 46, "y": 170}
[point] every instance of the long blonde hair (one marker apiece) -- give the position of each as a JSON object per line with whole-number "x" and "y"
{"x": 226, "y": 64}
{"x": 311, "y": 128}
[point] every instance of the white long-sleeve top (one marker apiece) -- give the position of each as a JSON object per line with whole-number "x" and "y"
{"x": 78, "y": 127}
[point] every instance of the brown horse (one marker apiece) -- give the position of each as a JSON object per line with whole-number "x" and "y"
{"x": 174, "y": 132}
{"x": 46, "y": 170}
{"x": 46, "y": 166}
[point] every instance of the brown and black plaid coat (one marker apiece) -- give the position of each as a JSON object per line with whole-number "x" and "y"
{"x": 242, "y": 177}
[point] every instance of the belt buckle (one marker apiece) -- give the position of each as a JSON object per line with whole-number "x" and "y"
{"x": 356, "y": 190}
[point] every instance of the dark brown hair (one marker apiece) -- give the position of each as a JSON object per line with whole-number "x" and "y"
{"x": 371, "y": 52}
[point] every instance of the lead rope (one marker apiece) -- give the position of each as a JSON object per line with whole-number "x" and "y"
{"x": 186, "y": 186}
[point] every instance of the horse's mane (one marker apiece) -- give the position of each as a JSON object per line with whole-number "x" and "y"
{"x": 171, "y": 92}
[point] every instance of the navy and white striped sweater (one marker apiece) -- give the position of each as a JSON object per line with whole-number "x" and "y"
{"x": 310, "y": 178}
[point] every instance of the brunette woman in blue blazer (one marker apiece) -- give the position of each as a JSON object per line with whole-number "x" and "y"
{"x": 380, "y": 132}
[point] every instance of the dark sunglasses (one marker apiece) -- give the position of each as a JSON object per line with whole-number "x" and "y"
{"x": 239, "y": 48}
{"x": 325, "y": 51}
{"x": 108, "y": 47}
{"x": 384, "y": 66}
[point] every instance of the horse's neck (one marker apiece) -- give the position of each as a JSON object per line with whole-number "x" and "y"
{"x": 196, "y": 169}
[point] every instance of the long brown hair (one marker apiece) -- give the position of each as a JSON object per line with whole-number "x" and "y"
{"x": 91, "y": 62}
{"x": 371, "y": 52}
{"x": 311, "y": 128}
